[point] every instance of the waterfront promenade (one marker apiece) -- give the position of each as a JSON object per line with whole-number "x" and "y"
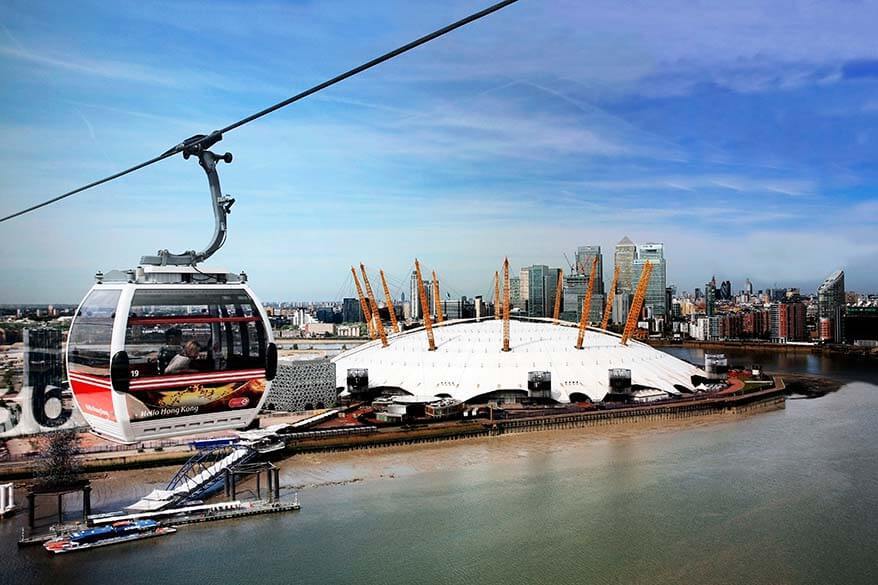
{"x": 733, "y": 400}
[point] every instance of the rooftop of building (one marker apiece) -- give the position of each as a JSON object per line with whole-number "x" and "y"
{"x": 468, "y": 361}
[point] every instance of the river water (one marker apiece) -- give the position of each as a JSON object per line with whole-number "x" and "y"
{"x": 839, "y": 367}
{"x": 786, "y": 496}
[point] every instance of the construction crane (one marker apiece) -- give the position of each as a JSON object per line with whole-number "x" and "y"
{"x": 379, "y": 326}
{"x": 496, "y": 294}
{"x": 506, "y": 304}
{"x": 394, "y": 324}
{"x": 610, "y": 296}
{"x": 569, "y": 263}
{"x": 422, "y": 294}
{"x": 637, "y": 303}
{"x": 437, "y": 299}
{"x": 558, "y": 288}
{"x": 364, "y": 306}
{"x": 586, "y": 304}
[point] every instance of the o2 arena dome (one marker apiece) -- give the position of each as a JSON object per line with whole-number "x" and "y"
{"x": 468, "y": 364}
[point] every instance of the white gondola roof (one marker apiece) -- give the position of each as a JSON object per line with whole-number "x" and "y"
{"x": 468, "y": 360}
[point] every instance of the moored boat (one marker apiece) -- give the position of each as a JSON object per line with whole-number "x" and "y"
{"x": 118, "y": 532}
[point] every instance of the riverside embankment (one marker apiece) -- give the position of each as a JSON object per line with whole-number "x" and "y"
{"x": 735, "y": 402}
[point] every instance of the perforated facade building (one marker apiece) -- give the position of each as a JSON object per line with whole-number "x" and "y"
{"x": 302, "y": 385}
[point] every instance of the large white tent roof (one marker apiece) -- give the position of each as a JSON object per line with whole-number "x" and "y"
{"x": 468, "y": 360}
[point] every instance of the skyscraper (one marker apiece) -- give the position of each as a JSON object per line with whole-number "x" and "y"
{"x": 574, "y": 291}
{"x": 726, "y": 290}
{"x": 351, "y": 311}
{"x": 515, "y": 293}
{"x": 524, "y": 288}
{"x": 537, "y": 297}
{"x": 575, "y": 288}
{"x": 416, "y": 297}
{"x": 585, "y": 255}
{"x": 626, "y": 251}
{"x": 710, "y": 297}
{"x": 621, "y": 305}
{"x": 655, "y": 290}
{"x": 413, "y": 294}
{"x": 830, "y": 307}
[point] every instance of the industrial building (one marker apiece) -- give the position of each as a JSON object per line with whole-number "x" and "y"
{"x": 468, "y": 365}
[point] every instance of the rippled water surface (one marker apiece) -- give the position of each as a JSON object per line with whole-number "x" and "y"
{"x": 787, "y": 496}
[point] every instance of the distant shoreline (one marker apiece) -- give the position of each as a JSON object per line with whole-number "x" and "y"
{"x": 833, "y": 350}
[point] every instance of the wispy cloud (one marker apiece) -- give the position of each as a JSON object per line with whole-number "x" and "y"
{"x": 171, "y": 77}
{"x": 107, "y": 68}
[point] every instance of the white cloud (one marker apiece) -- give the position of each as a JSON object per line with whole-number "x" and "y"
{"x": 108, "y": 68}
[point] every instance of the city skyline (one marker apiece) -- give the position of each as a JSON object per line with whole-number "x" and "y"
{"x": 400, "y": 285}
{"x": 747, "y": 149}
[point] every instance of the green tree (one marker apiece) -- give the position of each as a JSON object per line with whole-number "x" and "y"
{"x": 58, "y": 465}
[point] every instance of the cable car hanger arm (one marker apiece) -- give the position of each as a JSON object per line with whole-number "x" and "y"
{"x": 222, "y": 205}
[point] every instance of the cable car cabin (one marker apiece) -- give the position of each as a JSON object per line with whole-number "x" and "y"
{"x": 152, "y": 360}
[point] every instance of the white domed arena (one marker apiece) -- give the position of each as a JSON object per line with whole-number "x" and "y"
{"x": 468, "y": 364}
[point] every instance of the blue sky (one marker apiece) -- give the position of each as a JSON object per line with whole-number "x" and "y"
{"x": 743, "y": 135}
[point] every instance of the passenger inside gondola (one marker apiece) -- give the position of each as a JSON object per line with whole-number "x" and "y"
{"x": 171, "y": 349}
{"x": 186, "y": 361}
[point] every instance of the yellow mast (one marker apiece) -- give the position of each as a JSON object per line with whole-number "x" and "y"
{"x": 425, "y": 309}
{"x": 497, "y": 310}
{"x": 586, "y": 305}
{"x": 437, "y": 299}
{"x": 558, "y": 288}
{"x": 379, "y": 326}
{"x": 506, "y": 304}
{"x": 387, "y": 299}
{"x": 364, "y": 306}
{"x": 637, "y": 303}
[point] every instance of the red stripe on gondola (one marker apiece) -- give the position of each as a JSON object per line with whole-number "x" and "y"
{"x": 173, "y": 385}
{"x": 186, "y": 320}
{"x": 94, "y": 399}
{"x": 168, "y": 383}
{"x": 200, "y": 376}
{"x": 90, "y": 378}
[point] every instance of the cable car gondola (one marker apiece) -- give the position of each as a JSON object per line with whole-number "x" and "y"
{"x": 170, "y": 348}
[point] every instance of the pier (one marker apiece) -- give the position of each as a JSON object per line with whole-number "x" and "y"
{"x": 174, "y": 517}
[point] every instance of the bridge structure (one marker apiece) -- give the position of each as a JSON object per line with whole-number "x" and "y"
{"x": 199, "y": 477}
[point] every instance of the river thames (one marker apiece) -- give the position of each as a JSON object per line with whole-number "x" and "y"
{"x": 784, "y": 496}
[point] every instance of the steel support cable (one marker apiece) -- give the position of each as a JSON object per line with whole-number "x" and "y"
{"x": 208, "y": 140}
